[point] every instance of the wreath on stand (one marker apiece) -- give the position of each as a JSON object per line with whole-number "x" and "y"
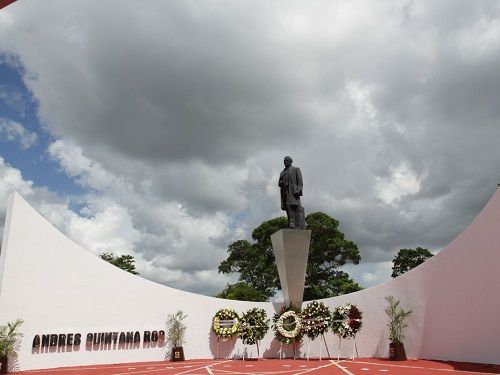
{"x": 315, "y": 319}
{"x": 253, "y": 326}
{"x": 288, "y": 325}
{"x": 225, "y": 323}
{"x": 346, "y": 321}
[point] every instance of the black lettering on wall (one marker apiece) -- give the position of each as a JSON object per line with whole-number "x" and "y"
{"x": 130, "y": 337}
{"x": 45, "y": 341}
{"x": 53, "y": 340}
{"x": 107, "y": 338}
{"x": 161, "y": 335}
{"x": 62, "y": 340}
{"x": 97, "y": 338}
{"x": 137, "y": 337}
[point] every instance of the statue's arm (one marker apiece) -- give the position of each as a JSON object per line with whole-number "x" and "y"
{"x": 299, "y": 186}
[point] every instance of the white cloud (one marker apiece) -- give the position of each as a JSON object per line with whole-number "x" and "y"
{"x": 480, "y": 40}
{"x": 370, "y": 274}
{"x": 377, "y": 274}
{"x": 12, "y": 98}
{"x": 12, "y": 130}
{"x": 110, "y": 229}
{"x": 85, "y": 171}
{"x": 361, "y": 98}
{"x": 11, "y": 180}
{"x": 401, "y": 182}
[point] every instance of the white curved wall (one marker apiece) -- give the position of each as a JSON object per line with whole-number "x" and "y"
{"x": 55, "y": 286}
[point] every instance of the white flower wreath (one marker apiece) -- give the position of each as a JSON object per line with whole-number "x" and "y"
{"x": 296, "y": 320}
{"x": 253, "y": 326}
{"x": 315, "y": 319}
{"x": 346, "y": 321}
{"x": 225, "y": 323}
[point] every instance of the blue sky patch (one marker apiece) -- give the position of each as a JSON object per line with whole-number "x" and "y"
{"x": 18, "y": 105}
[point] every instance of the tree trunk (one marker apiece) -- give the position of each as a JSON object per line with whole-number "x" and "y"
{"x": 397, "y": 351}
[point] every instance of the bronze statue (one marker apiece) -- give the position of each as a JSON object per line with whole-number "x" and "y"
{"x": 290, "y": 184}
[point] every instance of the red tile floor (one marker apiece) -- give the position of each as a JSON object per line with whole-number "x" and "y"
{"x": 361, "y": 366}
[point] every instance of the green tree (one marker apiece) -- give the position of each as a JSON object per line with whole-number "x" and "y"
{"x": 397, "y": 316}
{"x": 9, "y": 342}
{"x": 243, "y": 292}
{"x": 329, "y": 250}
{"x": 125, "y": 262}
{"x": 406, "y": 259}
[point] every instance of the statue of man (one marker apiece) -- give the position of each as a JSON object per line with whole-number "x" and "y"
{"x": 290, "y": 184}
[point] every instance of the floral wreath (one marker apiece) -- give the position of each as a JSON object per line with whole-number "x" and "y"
{"x": 288, "y": 325}
{"x": 253, "y": 326}
{"x": 315, "y": 319}
{"x": 346, "y": 321}
{"x": 225, "y": 323}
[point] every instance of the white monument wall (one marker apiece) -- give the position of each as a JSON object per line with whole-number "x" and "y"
{"x": 57, "y": 287}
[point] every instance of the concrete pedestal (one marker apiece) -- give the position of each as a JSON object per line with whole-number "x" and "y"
{"x": 291, "y": 249}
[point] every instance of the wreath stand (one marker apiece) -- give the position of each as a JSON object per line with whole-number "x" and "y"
{"x": 258, "y": 353}
{"x": 283, "y": 323}
{"x": 256, "y": 343}
{"x": 355, "y": 353}
{"x": 224, "y": 323}
{"x": 293, "y": 347}
{"x": 217, "y": 353}
{"x": 320, "y": 347}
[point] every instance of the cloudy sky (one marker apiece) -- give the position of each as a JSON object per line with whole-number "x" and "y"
{"x": 158, "y": 128}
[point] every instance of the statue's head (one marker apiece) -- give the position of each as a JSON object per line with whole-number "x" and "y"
{"x": 288, "y": 161}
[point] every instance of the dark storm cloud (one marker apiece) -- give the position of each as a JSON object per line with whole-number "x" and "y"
{"x": 175, "y": 81}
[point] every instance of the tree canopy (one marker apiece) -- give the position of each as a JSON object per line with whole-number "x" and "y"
{"x": 125, "y": 262}
{"x": 406, "y": 259}
{"x": 241, "y": 291}
{"x": 329, "y": 250}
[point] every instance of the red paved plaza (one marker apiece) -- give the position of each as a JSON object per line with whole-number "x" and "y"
{"x": 274, "y": 367}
